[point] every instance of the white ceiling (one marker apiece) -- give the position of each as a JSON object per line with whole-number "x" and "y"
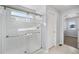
{"x": 64, "y": 7}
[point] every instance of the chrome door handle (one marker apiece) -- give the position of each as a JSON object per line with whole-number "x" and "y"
{"x": 7, "y": 36}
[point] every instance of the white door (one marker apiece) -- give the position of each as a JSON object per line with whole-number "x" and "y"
{"x": 22, "y": 33}
{"x": 51, "y": 26}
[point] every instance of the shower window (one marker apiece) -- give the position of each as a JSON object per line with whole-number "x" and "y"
{"x": 21, "y": 16}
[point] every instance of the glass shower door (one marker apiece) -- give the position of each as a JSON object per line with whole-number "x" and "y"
{"x": 1, "y": 19}
{"x": 35, "y": 42}
{"x": 23, "y": 35}
{"x": 0, "y": 28}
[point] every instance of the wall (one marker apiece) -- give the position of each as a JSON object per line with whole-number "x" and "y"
{"x": 59, "y": 29}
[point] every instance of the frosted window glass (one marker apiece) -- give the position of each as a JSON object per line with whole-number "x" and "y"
{"x": 15, "y": 13}
{"x": 22, "y": 16}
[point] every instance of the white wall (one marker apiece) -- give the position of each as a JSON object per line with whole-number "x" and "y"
{"x": 59, "y": 29}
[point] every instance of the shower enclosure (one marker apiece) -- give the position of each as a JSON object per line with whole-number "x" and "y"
{"x": 20, "y": 32}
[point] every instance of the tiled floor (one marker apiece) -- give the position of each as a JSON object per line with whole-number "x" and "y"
{"x": 65, "y": 49}
{"x": 72, "y": 41}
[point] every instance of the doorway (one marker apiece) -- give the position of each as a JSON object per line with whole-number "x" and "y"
{"x": 71, "y": 32}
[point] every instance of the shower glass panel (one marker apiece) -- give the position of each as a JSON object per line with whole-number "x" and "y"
{"x": 23, "y": 32}
{"x": 1, "y": 13}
